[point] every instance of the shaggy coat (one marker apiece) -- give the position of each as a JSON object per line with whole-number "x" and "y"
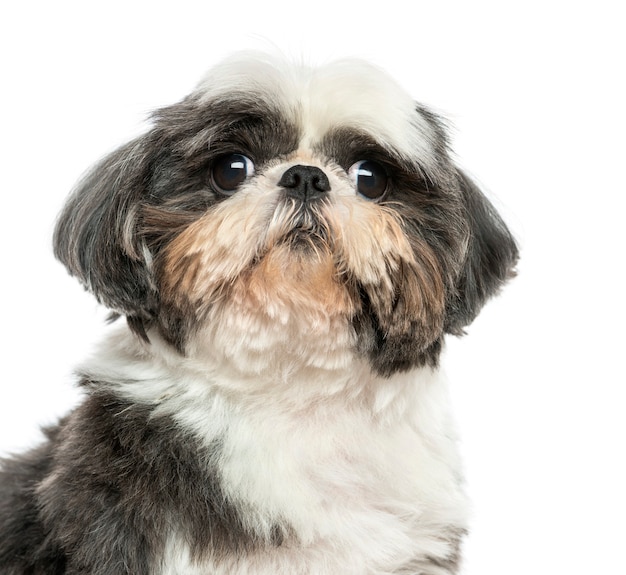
{"x": 289, "y": 247}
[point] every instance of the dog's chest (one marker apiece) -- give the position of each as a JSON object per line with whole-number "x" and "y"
{"x": 346, "y": 500}
{"x": 357, "y": 476}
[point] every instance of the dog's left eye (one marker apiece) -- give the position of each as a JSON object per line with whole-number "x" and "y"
{"x": 228, "y": 172}
{"x": 369, "y": 178}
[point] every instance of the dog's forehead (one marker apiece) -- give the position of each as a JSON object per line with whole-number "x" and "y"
{"x": 349, "y": 94}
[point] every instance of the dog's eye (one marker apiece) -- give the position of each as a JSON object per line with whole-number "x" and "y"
{"x": 230, "y": 171}
{"x": 370, "y": 179}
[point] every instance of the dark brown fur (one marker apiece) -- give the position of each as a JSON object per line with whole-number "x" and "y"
{"x": 101, "y": 496}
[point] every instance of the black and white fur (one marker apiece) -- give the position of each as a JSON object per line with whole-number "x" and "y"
{"x": 273, "y": 403}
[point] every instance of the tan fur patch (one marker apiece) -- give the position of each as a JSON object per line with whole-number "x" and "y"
{"x": 289, "y": 279}
{"x": 402, "y": 278}
{"x": 215, "y": 258}
{"x": 209, "y": 255}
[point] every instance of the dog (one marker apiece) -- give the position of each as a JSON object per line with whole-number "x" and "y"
{"x": 289, "y": 246}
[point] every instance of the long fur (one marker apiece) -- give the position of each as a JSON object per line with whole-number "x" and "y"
{"x": 274, "y": 403}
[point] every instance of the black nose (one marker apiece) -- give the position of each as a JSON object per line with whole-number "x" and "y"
{"x": 305, "y": 182}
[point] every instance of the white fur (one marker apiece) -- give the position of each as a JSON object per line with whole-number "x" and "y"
{"x": 340, "y": 94}
{"x": 363, "y": 468}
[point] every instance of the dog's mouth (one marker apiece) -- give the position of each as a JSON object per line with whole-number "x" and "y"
{"x": 301, "y": 225}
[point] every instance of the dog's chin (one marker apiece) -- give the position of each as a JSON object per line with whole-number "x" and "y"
{"x": 288, "y": 313}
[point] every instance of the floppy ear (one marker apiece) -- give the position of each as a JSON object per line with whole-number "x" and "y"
{"x": 96, "y": 239}
{"x": 490, "y": 257}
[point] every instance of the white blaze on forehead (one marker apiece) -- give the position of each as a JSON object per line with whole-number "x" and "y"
{"x": 342, "y": 94}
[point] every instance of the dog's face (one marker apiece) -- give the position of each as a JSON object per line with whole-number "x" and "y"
{"x": 282, "y": 204}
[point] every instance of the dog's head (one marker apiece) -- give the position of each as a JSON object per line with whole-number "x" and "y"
{"x": 282, "y": 195}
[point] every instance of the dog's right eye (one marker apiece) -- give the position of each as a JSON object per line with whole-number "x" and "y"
{"x": 228, "y": 172}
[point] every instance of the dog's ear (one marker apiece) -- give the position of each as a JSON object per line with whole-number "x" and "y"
{"x": 490, "y": 257}
{"x": 95, "y": 235}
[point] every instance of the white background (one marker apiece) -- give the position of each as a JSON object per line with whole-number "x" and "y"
{"x": 535, "y": 91}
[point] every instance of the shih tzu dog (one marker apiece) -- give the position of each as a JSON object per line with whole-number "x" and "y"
{"x": 289, "y": 246}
